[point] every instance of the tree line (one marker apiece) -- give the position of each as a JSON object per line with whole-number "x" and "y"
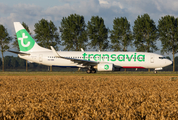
{"x": 75, "y": 34}
{"x": 14, "y": 63}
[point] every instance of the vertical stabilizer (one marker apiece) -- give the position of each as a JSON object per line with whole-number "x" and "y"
{"x": 25, "y": 41}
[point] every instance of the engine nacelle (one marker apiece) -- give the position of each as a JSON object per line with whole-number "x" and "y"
{"x": 105, "y": 67}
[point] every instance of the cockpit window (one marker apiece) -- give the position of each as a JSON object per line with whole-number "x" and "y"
{"x": 162, "y": 58}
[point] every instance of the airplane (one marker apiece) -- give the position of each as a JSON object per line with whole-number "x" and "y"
{"x": 92, "y": 61}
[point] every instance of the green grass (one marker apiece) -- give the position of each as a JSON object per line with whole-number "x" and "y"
{"x": 118, "y": 73}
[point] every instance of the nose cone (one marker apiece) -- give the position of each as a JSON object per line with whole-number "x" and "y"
{"x": 169, "y": 62}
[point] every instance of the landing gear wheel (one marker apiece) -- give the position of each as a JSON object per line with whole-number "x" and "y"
{"x": 88, "y": 71}
{"x": 93, "y": 71}
{"x": 155, "y": 71}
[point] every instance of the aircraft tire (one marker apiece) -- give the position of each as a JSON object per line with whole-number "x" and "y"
{"x": 93, "y": 71}
{"x": 88, "y": 71}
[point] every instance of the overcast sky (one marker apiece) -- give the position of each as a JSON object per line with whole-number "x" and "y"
{"x": 32, "y": 11}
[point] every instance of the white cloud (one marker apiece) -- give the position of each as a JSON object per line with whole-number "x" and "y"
{"x": 108, "y": 9}
{"x": 5, "y": 9}
{"x": 103, "y": 2}
{"x": 165, "y": 5}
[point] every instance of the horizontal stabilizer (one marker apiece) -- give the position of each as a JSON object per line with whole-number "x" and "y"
{"x": 17, "y": 52}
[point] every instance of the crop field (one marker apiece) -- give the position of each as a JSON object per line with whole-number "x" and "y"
{"x": 54, "y": 97}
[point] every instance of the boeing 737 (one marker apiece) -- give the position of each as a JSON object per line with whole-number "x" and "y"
{"x": 92, "y": 61}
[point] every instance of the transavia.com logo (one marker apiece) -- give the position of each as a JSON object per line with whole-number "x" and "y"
{"x": 106, "y": 67}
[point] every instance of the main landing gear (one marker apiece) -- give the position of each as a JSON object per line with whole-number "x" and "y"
{"x": 91, "y": 70}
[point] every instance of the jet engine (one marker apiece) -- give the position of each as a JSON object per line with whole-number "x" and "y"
{"x": 105, "y": 67}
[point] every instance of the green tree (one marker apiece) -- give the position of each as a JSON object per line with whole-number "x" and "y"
{"x": 168, "y": 57}
{"x": 145, "y": 34}
{"x": 168, "y": 34}
{"x": 176, "y": 60}
{"x": 98, "y": 33}
{"x": 46, "y": 35}
{"x": 21, "y": 63}
{"x": 73, "y": 32}
{"x": 14, "y": 62}
{"x": 121, "y": 36}
{"x": 176, "y": 63}
{"x": 0, "y": 62}
{"x": 4, "y": 42}
{"x": 7, "y": 64}
{"x": 16, "y": 45}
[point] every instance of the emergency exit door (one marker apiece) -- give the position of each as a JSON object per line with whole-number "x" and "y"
{"x": 40, "y": 58}
{"x": 152, "y": 59}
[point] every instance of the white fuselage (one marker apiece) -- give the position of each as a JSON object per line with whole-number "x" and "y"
{"x": 119, "y": 59}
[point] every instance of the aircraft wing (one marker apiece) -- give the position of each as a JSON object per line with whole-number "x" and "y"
{"x": 79, "y": 61}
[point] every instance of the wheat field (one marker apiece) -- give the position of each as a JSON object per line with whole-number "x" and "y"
{"x": 88, "y": 97}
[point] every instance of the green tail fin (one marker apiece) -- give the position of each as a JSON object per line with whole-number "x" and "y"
{"x": 25, "y": 41}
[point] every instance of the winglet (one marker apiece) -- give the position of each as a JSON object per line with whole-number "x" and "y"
{"x": 54, "y": 52}
{"x": 82, "y": 50}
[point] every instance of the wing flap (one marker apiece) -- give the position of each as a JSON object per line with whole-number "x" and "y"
{"x": 84, "y": 62}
